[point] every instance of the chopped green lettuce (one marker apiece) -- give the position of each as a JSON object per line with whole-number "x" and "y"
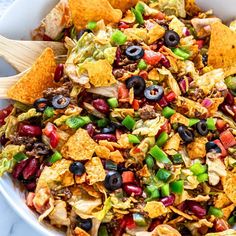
{"x": 100, "y": 215}
{"x": 29, "y": 114}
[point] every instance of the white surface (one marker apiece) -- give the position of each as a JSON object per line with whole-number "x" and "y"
{"x": 17, "y": 23}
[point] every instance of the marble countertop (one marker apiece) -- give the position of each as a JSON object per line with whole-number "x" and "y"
{"x": 11, "y": 224}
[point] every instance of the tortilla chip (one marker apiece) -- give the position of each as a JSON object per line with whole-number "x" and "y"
{"x": 95, "y": 171}
{"x": 178, "y": 118}
{"x": 100, "y": 73}
{"x": 84, "y": 11}
{"x": 144, "y": 172}
{"x": 102, "y": 152}
{"x": 165, "y": 230}
{"x": 155, "y": 33}
{"x": 222, "y": 201}
{"x": 79, "y": 146}
{"x": 80, "y": 179}
{"x": 155, "y": 209}
{"x": 197, "y": 149}
{"x": 117, "y": 157}
{"x": 228, "y": 183}
{"x": 172, "y": 145}
{"x": 80, "y": 232}
{"x": 123, "y": 5}
{"x": 192, "y": 8}
{"x": 222, "y": 50}
{"x": 40, "y": 77}
{"x": 91, "y": 191}
{"x": 228, "y": 210}
{"x": 177, "y": 211}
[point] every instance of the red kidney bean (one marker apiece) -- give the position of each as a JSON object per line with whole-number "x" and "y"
{"x": 229, "y": 110}
{"x": 47, "y": 38}
{"x": 31, "y": 169}
{"x": 90, "y": 129}
{"x": 196, "y": 209}
{"x": 40, "y": 170}
{"x": 19, "y": 167}
{"x": 3, "y": 140}
{"x": 5, "y": 113}
{"x": 165, "y": 62}
{"x": 108, "y": 137}
{"x": 169, "y": 200}
{"x": 229, "y": 99}
{"x": 118, "y": 56}
{"x": 154, "y": 224}
{"x": 133, "y": 189}
{"x": 101, "y": 105}
{"x": 29, "y": 130}
{"x": 30, "y": 186}
{"x": 183, "y": 85}
{"x": 170, "y": 97}
{"x": 58, "y": 72}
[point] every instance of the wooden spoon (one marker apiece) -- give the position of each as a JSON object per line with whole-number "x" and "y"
{"x": 22, "y": 54}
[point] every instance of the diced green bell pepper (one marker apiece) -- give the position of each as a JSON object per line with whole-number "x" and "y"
{"x": 119, "y": 37}
{"x": 181, "y": 53}
{"x": 150, "y": 162}
{"x": 113, "y": 102}
{"x": 215, "y": 212}
{"x": 193, "y": 121}
{"x": 159, "y": 155}
{"x": 20, "y": 157}
{"x": 163, "y": 175}
{"x": 133, "y": 138}
{"x": 177, "y": 186}
{"x": 202, "y": 177}
{"x": 165, "y": 190}
{"x": 162, "y": 139}
{"x": 211, "y": 124}
{"x": 197, "y": 168}
{"x": 55, "y": 157}
{"x": 167, "y": 112}
{"x": 129, "y": 122}
{"x": 177, "y": 158}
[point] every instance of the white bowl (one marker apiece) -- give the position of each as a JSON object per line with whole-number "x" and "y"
{"x": 17, "y": 23}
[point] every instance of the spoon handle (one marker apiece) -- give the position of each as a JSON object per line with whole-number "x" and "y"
{"x": 21, "y": 54}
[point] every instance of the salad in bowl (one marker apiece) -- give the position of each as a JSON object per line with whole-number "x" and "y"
{"x": 135, "y": 133}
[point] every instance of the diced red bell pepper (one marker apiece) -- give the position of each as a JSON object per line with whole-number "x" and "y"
{"x": 48, "y": 129}
{"x": 123, "y": 25}
{"x": 200, "y": 43}
{"x": 227, "y": 139}
{"x": 5, "y": 113}
{"x": 54, "y": 139}
{"x": 127, "y": 177}
{"x": 151, "y": 57}
{"x": 220, "y": 225}
{"x": 130, "y": 224}
{"x": 163, "y": 102}
{"x": 220, "y": 125}
{"x": 170, "y": 97}
{"x": 159, "y": 16}
{"x": 220, "y": 145}
{"x": 135, "y": 105}
{"x": 143, "y": 74}
{"x": 123, "y": 92}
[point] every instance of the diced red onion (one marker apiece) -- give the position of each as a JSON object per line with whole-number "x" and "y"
{"x": 207, "y": 102}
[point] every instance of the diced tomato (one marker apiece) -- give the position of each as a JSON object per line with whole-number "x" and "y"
{"x": 48, "y": 129}
{"x": 127, "y": 177}
{"x": 164, "y": 128}
{"x": 151, "y": 57}
{"x": 123, "y": 25}
{"x": 144, "y": 74}
{"x": 227, "y": 139}
{"x": 130, "y": 224}
{"x": 220, "y": 225}
{"x": 159, "y": 16}
{"x": 135, "y": 104}
{"x": 137, "y": 150}
{"x": 220, "y": 145}
{"x": 54, "y": 139}
{"x": 170, "y": 97}
{"x": 29, "y": 199}
{"x": 5, "y": 113}
{"x": 200, "y": 43}
{"x": 123, "y": 92}
{"x": 220, "y": 125}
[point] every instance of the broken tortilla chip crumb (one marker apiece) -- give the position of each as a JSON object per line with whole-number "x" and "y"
{"x": 100, "y": 73}
{"x": 228, "y": 183}
{"x": 40, "y": 77}
{"x": 84, "y": 11}
{"x": 155, "y": 209}
{"x": 222, "y": 50}
{"x": 84, "y": 148}
{"x": 95, "y": 171}
{"x": 80, "y": 232}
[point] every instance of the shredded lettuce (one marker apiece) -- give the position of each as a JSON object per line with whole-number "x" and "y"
{"x": 100, "y": 215}
{"x": 6, "y": 165}
{"x": 10, "y": 127}
{"x": 27, "y": 115}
